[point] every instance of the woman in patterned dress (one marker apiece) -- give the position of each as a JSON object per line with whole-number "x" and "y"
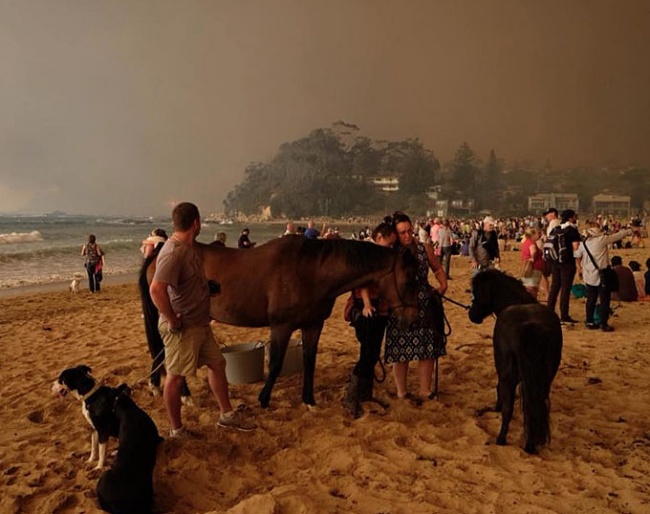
{"x": 421, "y": 342}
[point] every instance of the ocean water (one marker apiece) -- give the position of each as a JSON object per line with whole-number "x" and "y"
{"x": 46, "y": 249}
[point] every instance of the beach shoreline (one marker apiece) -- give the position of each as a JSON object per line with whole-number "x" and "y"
{"x": 64, "y": 285}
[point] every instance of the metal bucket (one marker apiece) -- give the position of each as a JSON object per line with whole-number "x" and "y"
{"x": 292, "y": 359}
{"x": 244, "y": 362}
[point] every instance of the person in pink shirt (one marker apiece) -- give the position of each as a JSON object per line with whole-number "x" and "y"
{"x": 433, "y": 233}
{"x": 531, "y": 253}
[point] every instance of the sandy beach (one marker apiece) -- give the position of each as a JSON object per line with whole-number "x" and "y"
{"x": 439, "y": 457}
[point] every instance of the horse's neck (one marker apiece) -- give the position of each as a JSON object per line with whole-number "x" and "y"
{"x": 353, "y": 277}
{"x": 505, "y": 298}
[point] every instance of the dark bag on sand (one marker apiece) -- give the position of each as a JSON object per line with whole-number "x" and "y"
{"x": 608, "y": 279}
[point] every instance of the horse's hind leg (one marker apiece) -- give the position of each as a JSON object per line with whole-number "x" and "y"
{"x": 279, "y": 343}
{"x": 310, "y": 338}
{"x": 506, "y": 395}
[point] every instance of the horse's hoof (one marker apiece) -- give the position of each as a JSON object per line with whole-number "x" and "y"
{"x": 155, "y": 390}
{"x": 530, "y": 449}
{"x": 501, "y": 441}
{"x": 187, "y": 401}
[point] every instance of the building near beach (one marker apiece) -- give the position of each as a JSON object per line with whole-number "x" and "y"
{"x": 612, "y": 205}
{"x": 561, "y": 201}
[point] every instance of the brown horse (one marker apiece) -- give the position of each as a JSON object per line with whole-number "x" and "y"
{"x": 292, "y": 283}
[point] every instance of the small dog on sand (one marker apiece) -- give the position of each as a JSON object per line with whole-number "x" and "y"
{"x": 74, "y": 286}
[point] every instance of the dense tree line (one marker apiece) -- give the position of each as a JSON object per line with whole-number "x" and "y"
{"x": 330, "y": 172}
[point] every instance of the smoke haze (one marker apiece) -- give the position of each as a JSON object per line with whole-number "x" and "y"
{"x": 125, "y": 106}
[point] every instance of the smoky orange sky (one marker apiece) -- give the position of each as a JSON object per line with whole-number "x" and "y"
{"x": 124, "y": 106}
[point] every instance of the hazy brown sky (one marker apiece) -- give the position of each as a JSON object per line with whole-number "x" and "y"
{"x": 122, "y": 106}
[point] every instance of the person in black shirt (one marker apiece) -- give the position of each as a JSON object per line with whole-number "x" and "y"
{"x": 244, "y": 241}
{"x": 563, "y": 273}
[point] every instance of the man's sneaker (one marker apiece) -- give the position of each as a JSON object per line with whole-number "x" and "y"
{"x": 234, "y": 419}
{"x": 592, "y": 326}
{"x": 178, "y": 433}
{"x": 568, "y": 319}
{"x": 607, "y": 328}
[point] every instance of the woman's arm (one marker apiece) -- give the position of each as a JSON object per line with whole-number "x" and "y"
{"x": 435, "y": 266}
{"x": 368, "y": 309}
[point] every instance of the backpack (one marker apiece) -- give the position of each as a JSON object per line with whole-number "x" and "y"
{"x": 554, "y": 248}
{"x": 92, "y": 255}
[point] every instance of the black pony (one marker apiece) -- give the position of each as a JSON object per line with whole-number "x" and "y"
{"x": 527, "y": 349}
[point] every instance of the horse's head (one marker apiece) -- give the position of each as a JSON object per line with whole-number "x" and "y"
{"x": 493, "y": 291}
{"x": 400, "y": 288}
{"x": 482, "y": 295}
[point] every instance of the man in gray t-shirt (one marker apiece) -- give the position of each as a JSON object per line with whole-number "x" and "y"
{"x": 181, "y": 293}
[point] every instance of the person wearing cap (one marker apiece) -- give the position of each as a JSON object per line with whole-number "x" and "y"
{"x": 552, "y": 219}
{"x": 484, "y": 246}
{"x": 564, "y": 273}
{"x": 595, "y": 245}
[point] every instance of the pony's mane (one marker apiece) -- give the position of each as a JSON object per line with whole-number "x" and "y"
{"x": 503, "y": 283}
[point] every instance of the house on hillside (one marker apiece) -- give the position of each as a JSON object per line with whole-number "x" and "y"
{"x": 540, "y": 202}
{"x": 612, "y": 205}
{"x": 385, "y": 184}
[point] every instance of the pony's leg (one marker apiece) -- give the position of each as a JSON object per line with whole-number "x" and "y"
{"x": 279, "y": 342}
{"x": 310, "y": 338}
{"x": 186, "y": 396}
{"x": 506, "y": 394}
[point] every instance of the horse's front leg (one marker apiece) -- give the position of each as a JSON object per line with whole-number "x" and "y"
{"x": 310, "y": 337}
{"x": 507, "y": 388}
{"x": 279, "y": 342}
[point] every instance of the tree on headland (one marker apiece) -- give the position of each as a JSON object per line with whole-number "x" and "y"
{"x": 330, "y": 172}
{"x": 464, "y": 171}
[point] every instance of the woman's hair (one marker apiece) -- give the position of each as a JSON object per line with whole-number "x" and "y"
{"x": 221, "y": 237}
{"x": 384, "y": 228}
{"x": 159, "y": 232}
{"x": 399, "y": 217}
{"x": 635, "y": 266}
{"x": 91, "y": 239}
{"x": 531, "y": 231}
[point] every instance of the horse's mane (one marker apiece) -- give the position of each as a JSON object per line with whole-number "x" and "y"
{"x": 504, "y": 284}
{"x": 358, "y": 255}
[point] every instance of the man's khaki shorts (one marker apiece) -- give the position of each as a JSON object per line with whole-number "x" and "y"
{"x": 189, "y": 349}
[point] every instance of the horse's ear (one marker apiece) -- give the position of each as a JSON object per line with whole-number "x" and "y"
{"x": 84, "y": 369}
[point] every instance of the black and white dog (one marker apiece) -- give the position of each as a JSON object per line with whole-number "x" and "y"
{"x": 97, "y": 402}
{"x": 127, "y": 488}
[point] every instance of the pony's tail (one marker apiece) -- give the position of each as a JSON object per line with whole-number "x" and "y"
{"x": 149, "y": 310}
{"x": 535, "y": 386}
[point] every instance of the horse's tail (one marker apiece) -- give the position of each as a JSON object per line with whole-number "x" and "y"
{"x": 149, "y": 310}
{"x": 535, "y": 384}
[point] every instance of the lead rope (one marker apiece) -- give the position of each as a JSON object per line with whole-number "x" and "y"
{"x": 148, "y": 375}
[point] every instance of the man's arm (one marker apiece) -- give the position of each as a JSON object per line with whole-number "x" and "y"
{"x": 160, "y": 297}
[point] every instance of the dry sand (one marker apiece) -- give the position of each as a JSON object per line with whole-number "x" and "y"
{"x": 438, "y": 457}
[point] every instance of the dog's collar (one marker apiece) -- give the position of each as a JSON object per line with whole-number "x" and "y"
{"x": 91, "y": 392}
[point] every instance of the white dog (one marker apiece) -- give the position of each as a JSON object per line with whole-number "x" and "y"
{"x": 74, "y": 286}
